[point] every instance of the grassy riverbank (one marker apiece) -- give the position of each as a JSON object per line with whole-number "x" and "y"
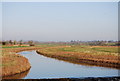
{"x": 13, "y": 63}
{"x": 106, "y": 56}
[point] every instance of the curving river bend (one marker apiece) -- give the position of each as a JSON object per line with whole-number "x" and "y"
{"x": 44, "y": 67}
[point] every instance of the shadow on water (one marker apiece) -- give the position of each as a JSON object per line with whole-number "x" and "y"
{"x": 17, "y": 76}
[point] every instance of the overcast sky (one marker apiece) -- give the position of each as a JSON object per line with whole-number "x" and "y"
{"x": 57, "y": 21}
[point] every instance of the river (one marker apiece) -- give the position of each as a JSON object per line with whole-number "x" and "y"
{"x": 44, "y": 67}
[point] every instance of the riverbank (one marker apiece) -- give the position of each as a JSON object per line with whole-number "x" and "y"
{"x": 89, "y": 55}
{"x": 17, "y": 76}
{"x": 13, "y": 63}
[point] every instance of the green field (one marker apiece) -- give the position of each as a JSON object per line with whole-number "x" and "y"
{"x": 100, "y": 50}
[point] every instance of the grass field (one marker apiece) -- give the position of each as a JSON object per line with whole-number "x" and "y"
{"x": 93, "y": 50}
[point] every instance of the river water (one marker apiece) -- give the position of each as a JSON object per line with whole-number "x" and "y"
{"x": 43, "y": 68}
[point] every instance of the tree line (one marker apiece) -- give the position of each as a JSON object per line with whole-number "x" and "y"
{"x": 14, "y": 42}
{"x": 72, "y": 42}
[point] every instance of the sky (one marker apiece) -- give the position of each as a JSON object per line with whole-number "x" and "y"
{"x": 59, "y": 21}
{"x": 0, "y": 21}
{"x": 60, "y": 0}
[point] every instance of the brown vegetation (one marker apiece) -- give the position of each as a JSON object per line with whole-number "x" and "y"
{"x": 104, "y": 59}
{"x": 13, "y": 63}
{"x": 16, "y": 76}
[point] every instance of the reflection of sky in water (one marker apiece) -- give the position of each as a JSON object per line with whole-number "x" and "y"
{"x": 44, "y": 67}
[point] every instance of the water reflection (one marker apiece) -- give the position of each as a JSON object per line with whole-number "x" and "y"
{"x": 17, "y": 76}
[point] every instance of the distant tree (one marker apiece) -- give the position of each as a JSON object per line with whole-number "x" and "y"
{"x": 20, "y": 42}
{"x": 15, "y": 42}
{"x": 10, "y": 42}
{"x": 30, "y": 43}
{"x": 0, "y": 42}
{"x": 4, "y": 43}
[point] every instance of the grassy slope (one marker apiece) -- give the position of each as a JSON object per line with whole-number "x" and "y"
{"x": 98, "y": 54}
{"x": 13, "y": 63}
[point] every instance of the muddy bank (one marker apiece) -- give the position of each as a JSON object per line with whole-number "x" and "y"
{"x": 83, "y": 59}
{"x": 17, "y": 76}
{"x": 69, "y": 79}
